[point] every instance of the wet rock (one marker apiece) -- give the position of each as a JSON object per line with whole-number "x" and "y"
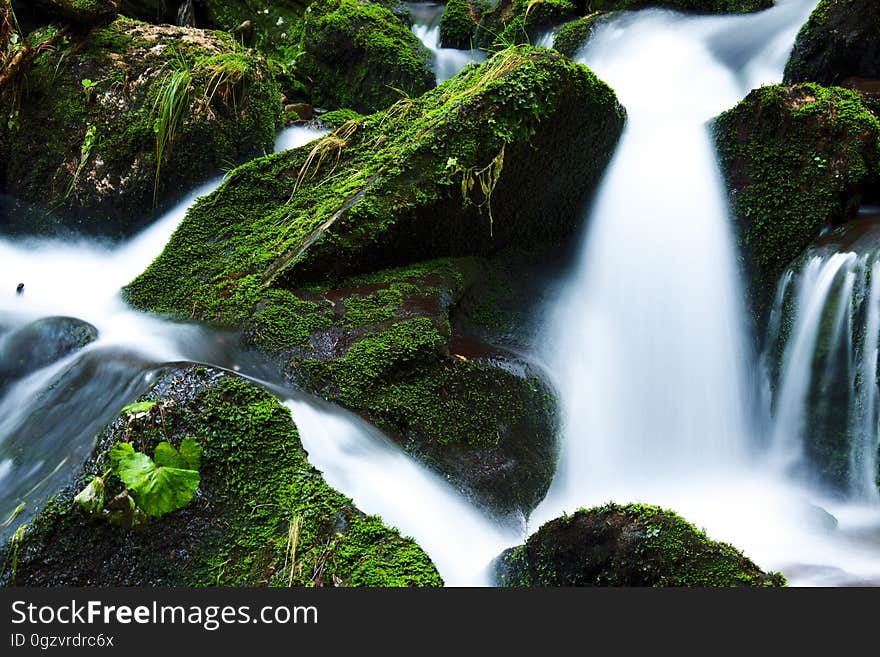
{"x": 358, "y": 54}
{"x": 796, "y": 160}
{"x": 840, "y": 40}
{"x": 41, "y": 343}
{"x": 303, "y": 111}
{"x": 82, "y": 138}
{"x": 255, "y": 482}
{"x": 633, "y": 545}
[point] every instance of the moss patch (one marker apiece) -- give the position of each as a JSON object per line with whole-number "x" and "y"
{"x": 358, "y": 54}
{"x": 841, "y": 40}
{"x": 632, "y": 545}
{"x": 255, "y": 482}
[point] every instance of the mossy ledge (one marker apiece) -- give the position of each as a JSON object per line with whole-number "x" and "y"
{"x": 255, "y": 481}
{"x": 632, "y": 545}
{"x": 78, "y": 131}
{"x": 796, "y": 159}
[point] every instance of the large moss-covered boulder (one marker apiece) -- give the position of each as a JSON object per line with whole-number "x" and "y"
{"x": 841, "y": 40}
{"x": 103, "y": 131}
{"x": 632, "y": 545}
{"x": 573, "y": 35}
{"x": 504, "y": 154}
{"x": 796, "y": 160}
{"x": 389, "y": 346}
{"x": 359, "y": 55}
{"x": 258, "y": 502}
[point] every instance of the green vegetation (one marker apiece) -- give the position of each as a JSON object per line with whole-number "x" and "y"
{"x": 840, "y": 41}
{"x": 359, "y": 55}
{"x": 103, "y": 125}
{"x": 264, "y": 516}
{"x": 632, "y": 545}
{"x": 458, "y": 24}
{"x": 572, "y": 36}
{"x": 797, "y": 159}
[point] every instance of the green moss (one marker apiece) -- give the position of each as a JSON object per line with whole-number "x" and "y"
{"x": 632, "y": 545}
{"x": 572, "y": 36}
{"x": 386, "y": 190}
{"x": 256, "y": 482}
{"x": 796, "y": 159}
{"x": 840, "y": 40}
{"x": 283, "y": 320}
{"x": 338, "y": 118}
{"x": 233, "y": 108}
{"x": 358, "y": 55}
{"x": 521, "y": 21}
{"x": 458, "y": 24}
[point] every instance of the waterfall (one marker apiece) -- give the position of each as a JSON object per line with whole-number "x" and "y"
{"x": 447, "y": 62}
{"x": 825, "y": 406}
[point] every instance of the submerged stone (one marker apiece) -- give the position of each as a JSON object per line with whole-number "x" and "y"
{"x": 632, "y": 545}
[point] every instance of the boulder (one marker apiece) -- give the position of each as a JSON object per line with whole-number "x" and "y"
{"x": 632, "y": 545}
{"x": 387, "y": 346}
{"x": 841, "y": 40}
{"x": 106, "y": 130}
{"x": 255, "y": 485}
{"x": 458, "y": 24}
{"x": 796, "y": 159}
{"x": 41, "y": 343}
{"x": 505, "y": 154}
{"x": 573, "y": 35}
{"x": 359, "y": 55}
{"x": 80, "y": 12}
{"x": 520, "y": 21}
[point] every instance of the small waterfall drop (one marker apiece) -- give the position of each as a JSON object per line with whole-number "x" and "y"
{"x": 426, "y": 26}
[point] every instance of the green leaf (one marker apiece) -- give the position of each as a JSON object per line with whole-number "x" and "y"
{"x": 91, "y": 498}
{"x": 157, "y": 489}
{"x": 138, "y": 408}
{"x": 166, "y": 456}
{"x": 119, "y": 451}
{"x": 191, "y": 453}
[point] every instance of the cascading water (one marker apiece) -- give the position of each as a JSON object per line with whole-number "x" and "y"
{"x": 646, "y": 343}
{"x": 426, "y": 26}
{"x": 825, "y": 337}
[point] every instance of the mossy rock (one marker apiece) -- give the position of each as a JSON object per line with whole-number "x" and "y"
{"x": 796, "y": 159}
{"x": 79, "y": 136}
{"x": 520, "y": 21}
{"x": 385, "y": 346}
{"x": 632, "y": 545}
{"x": 255, "y": 481}
{"x": 359, "y": 55}
{"x": 572, "y": 36}
{"x": 841, "y": 40}
{"x": 458, "y": 24}
{"x": 504, "y": 154}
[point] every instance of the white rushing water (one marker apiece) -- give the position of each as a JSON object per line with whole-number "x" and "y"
{"x": 447, "y": 62}
{"x": 646, "y": 343}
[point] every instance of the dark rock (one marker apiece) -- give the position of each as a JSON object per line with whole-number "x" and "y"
{"x": 796, "y": 159}
{"x": 841, "y": 40}
{"x": 633, "y": 545}
{"x": 41, "y": 343}
{"x": 77, "y": 137}
{"x": 255, "y": 482}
